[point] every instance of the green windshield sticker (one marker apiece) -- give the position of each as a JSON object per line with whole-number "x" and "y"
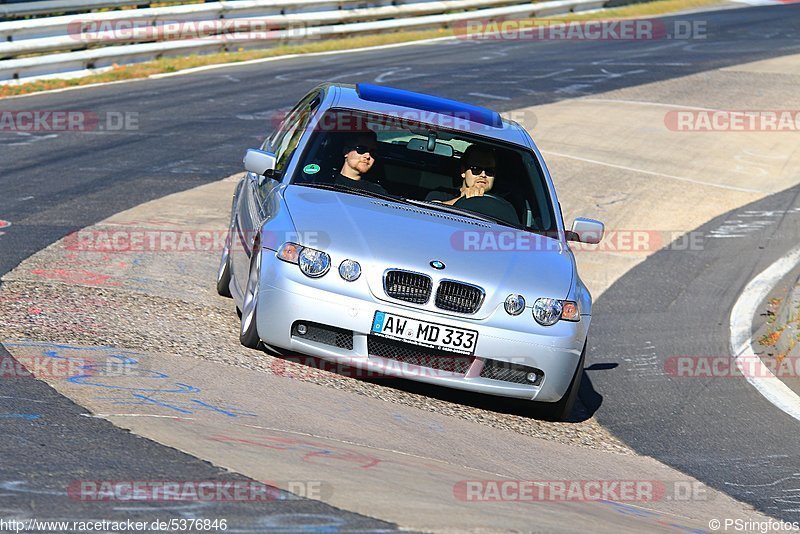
{"x": 311, "y": 168}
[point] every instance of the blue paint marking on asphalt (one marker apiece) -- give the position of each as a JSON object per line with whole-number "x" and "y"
{"x": 155, "y": 401}
{"x": 182, "y": 407}
{"x": 137, "y": 393}
{"x": 83, "y": 380}
{"x": 229, "y": 414}
{"x": 123, "y": 360}
{"x": 66, "y": 347}
{"x": 627, "y": 509}
{"x": 26, "y": 416}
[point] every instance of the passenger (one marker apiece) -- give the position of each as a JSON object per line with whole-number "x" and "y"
{"x": 359, "y": 157}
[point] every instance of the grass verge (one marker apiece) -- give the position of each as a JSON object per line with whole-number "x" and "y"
{"x": 174, "y": 64}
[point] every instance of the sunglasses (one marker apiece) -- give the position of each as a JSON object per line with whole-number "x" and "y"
{"x": 477, "y": 169}
{"x": 363, "y": 149}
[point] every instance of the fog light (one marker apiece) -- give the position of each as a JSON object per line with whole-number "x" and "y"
{"x": 532, "y": 377}
{"x": 350, "y": 270}
{"x": 302, "y": 329}
{"x": 515, "y": 304}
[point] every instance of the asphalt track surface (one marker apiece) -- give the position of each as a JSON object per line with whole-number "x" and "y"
{"x": 677, "y": 304}
{"x": 193, "y": 129}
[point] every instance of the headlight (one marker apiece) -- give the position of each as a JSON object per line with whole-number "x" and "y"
{"x": 314, "y": 263}
{"x": 515, "y": 304}
{"x": 350, "y": 270}
{"x": 547, "y": 312}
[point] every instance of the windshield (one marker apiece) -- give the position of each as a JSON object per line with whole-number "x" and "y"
{"x": 433, "y": 167}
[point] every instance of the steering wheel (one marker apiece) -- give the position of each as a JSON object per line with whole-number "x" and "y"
{"x": 464, "y": 201}
{"x": 489, "y": 204}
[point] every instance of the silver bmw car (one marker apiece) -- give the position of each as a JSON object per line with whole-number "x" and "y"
{"x": 412, "y": 236}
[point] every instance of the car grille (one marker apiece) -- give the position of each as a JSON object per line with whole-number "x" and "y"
{"x": 416, "y": 355}
{"x": 510, "y": 372}
{"x": 459, "y": 297}
{"x": 407, "y": 286}
{"x": 321, "y": 333}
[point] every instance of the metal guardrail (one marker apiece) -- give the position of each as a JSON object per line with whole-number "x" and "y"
{"x": 311, "y": 26}
{"x": 80, "y": 32}
{"x": 55, "y": 26}
{"x": 50, "y": 7}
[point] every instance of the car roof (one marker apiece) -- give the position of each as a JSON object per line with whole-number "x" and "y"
{"x": 441, "y": 112}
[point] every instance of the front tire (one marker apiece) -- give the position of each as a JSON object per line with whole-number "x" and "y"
{"x": 561, "y": 410}
{"x": 248, "y": 334}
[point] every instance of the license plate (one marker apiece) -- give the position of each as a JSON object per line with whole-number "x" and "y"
{"x": 424, "y": 333}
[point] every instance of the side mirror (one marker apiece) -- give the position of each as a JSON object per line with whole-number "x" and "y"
{"x": 258, "y": 161}
{"x": 586, "y": 231}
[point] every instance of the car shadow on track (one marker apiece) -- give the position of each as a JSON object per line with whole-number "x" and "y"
{"x": 588, "y": 403}
{"x": 589, "y": 399}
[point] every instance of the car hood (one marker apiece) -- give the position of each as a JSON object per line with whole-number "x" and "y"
{"x": 382, "y": 234}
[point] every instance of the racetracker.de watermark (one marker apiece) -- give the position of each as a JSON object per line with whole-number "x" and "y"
{"x": 588, "y": 30}
{"x": 231, "y": 31}
{"x": 399, "y": 120}
{"x": 730, "y": 367}
{"x": 49, "y": 120}
{"x": 618, "y": 241}
{"x": 125, "y": 240}
{"x": 196, "y": 490}
{"x": 47, "y": 367}
{"x": 693, "y": 120}
{"x": 308, "y": 366}
{"x": 579, "y": 490}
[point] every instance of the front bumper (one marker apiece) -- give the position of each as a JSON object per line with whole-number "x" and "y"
{"x": 286, "y": 297}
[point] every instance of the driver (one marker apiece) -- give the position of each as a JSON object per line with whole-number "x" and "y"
{"x": 478, "y": 176}
{"x": 477, "y": 172}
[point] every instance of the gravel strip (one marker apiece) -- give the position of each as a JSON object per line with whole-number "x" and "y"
{"x": 166, "y": 302}
{"x": 60, "y": 313}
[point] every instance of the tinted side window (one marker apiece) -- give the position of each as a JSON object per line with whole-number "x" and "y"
{"x": 286, "y": 142}
{"x": 287, "y": 121}
{"x": 544, "y": 218}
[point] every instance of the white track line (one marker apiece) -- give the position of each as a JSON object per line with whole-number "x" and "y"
{"x": 653, "y": 173}
{"x": 487, "y": 95}
{"x": 642, "y": 103}
{"x": 758, "y": 374}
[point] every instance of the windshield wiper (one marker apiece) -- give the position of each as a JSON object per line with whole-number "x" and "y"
{"x": 467, "y": 213}
{"x": 452, "y": 209}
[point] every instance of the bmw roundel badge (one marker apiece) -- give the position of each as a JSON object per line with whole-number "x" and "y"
{"x": 436, "y": 264}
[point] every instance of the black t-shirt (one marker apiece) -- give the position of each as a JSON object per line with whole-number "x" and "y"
{"x": 363, "y": 183}
{"x": 440, "y": 195}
